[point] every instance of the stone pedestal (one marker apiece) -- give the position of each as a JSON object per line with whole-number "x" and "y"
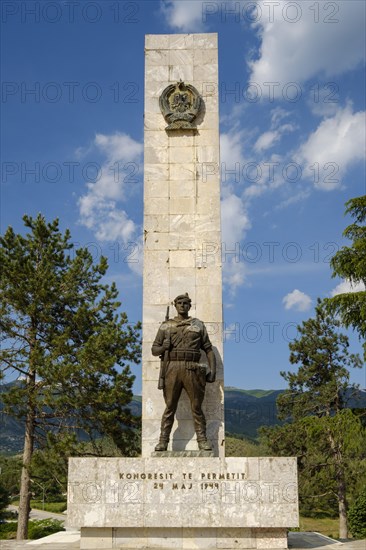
{"x": 183, "y": 502}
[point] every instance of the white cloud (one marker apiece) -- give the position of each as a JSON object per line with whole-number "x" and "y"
{"x": 347, "y": 286}
{"x": 235, "y": 222}
{"x": 98, "y": 208}
{"x": 119, "y": 147}
{"x": 234, "y": 274}
{"x": 183, "y": 15}
{"x": 298, "y": 43}
{"x": 276, "y": 131}
{"x": 338, "y": 142}
{"x": 231, "y": 152}
{"x": 271, "y": 137}
{"x": 297, "y": 300}
{"x": 298, "y": 197}
{"x": 324, "y": 100}
{"x": 266, "y": 140}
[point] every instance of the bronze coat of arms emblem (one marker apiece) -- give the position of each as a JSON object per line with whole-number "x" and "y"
{"x": 180, "y": 104}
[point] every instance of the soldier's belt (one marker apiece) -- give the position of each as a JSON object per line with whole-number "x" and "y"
{"x": 184, "y": 355}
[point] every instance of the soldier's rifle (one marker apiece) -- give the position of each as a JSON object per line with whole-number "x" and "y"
{"x": 164, "y": 358}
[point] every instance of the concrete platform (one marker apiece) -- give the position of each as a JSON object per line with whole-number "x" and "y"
{"x": 70, "y": 540}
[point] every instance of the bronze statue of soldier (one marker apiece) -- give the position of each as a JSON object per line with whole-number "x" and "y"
{"x": 179, "y": 342}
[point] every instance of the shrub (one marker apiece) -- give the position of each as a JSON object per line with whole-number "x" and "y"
{"x": 8, "y": 530}
{"x": 4, "y": 499}
{"x": 43, "y": 527}
{"x": 36, "y": 529}
{"x": 357, "y": 517}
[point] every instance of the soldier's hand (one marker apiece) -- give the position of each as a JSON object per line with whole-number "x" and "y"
{"x": 210, "y": 377}
{"x": 166, "y": 344}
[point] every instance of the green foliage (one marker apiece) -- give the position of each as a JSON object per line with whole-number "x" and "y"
{"x": 350, "y": 263}
{"x": 50, "y": 464}
{"x": 65, "y": 340}
{"x": 321, "y": 384}
{"x": 4, "y": 499}
{"x": 62, "y": 331}
{"x": 240, "y": 446}
{"x": 328, "y": 439}
{"x": 44, "y": 527}
{"x": 8, "y": 531}
{"x": 37, "y": 529}
{"x": 10, "y": 473}
{"x": 308, "y": 439}
{"x": 357, "y": 516}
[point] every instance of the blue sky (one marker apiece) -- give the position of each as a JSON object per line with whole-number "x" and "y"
{"x": 292, "y": 109}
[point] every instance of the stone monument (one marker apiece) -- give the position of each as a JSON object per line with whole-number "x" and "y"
{"x": 182, "y": 494}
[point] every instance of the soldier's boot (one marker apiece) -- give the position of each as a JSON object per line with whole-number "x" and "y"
{"x": 204, "y": 445}
{"x": 162, "y": 445}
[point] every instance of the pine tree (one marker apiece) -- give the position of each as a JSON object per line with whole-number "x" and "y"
{"x": 66, "y": 341}
{"x": 325, "y": 436}
{"x": 349, "y": 263}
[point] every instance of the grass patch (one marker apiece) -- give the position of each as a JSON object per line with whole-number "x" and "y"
{"x": 326, "y": 526}
{"x": 55, "y": 507}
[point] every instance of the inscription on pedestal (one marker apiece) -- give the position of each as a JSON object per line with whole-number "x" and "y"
{"x": 183, "y": 492}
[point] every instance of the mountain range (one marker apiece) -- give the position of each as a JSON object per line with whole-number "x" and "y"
{"x": 245, "y": 412}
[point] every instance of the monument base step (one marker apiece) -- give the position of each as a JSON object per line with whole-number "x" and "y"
{"x": 182, "y": 538}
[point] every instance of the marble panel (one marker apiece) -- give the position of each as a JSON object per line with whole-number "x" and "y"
{"x": 182, "y": 171}
{"x": 181, "y": 138}
{"x": 154, "y": 121}
{"x": 209, "y": 138}
{"x": 182, "y": 205}
{"x": 157, "y": 189}
{"x": 156, "y": 206}
{"x": 156, "y": 241}
{"x": 157, "y": 41}
{"x": 181, "y": 41}
{"x": 270, "y": 538}
{"x": 156, "y": 138}
{"x": 156, "y": 155}
{"x": 207, "y": 153}
{"x": 181, "y": 154}
{"x": 181, "y": 57}
{"x": 184, "y": 188}
{"x": 155, "y": 88}
{"x": 156, "y": 58}
{"x": 180, "y": 72}
{"x": 96, "y": 538}
{"x": 203, "y": 57}
{"x": 156, "y": 74}
{"x": 152, "y": 104}
{"x": 155, "y": 172}
{"x": 205, "y": 73}
{"x": 182, "y": 258}
{"x": 150, "y": 368}
{"x": 156, "y": 223}
{"x": 205, "y": 40}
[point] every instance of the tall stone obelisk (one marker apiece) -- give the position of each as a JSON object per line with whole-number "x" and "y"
{"x": 181, "y": 224}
